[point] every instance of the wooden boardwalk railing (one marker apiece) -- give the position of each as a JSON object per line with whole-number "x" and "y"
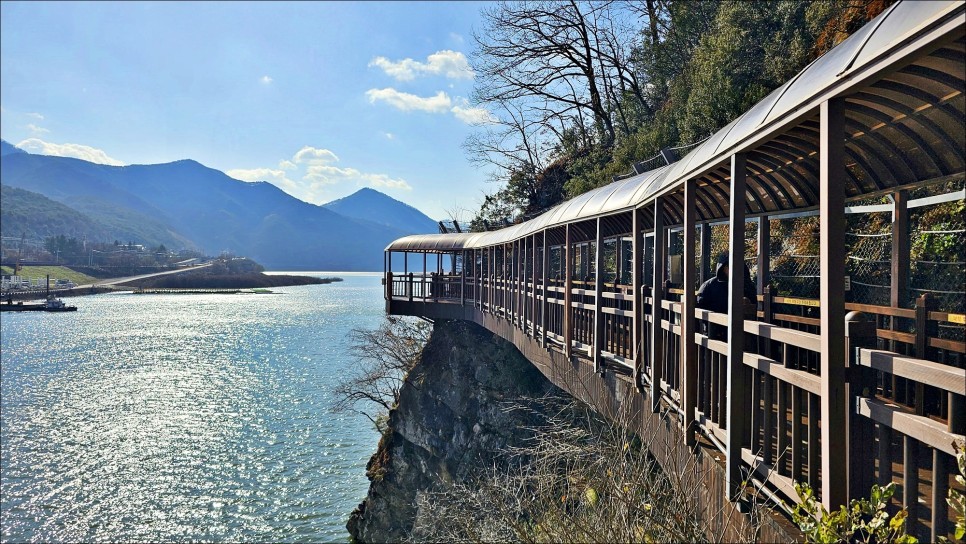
{"x": 906, "y": 406}
{"x": 822, "y": 391}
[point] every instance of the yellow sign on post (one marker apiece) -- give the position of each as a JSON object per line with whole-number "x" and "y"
{"x": 800, "y": 302}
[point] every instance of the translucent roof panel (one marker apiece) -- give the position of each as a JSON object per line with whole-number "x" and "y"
{"x": 905, "y": 124}
{"x": 899, "y": 25}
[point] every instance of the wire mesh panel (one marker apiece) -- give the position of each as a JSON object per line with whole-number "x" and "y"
{"x": 795, "y": 256}
{"x": 868, "y": 247}
{"x": 938, "y": 248}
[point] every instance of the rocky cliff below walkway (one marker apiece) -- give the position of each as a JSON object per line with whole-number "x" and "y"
{"x": 451, "y": 423}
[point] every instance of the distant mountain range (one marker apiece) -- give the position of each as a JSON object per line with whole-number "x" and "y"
{"x": 186, "y": 204}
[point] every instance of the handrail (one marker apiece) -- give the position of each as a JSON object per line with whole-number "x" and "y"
{"x": 945, "y": 377}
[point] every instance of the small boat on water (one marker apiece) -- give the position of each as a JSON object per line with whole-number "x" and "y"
{"x": 52, "y": 304}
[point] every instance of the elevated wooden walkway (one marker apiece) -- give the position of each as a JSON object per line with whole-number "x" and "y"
{"x": 782, "y": 389}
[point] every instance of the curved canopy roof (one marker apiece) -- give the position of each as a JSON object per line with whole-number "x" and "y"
{"x": 903, "y": 79}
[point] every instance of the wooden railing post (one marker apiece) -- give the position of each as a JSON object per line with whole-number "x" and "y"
{"x": 568, "y": 296}
{"x": 689, "y": 350}
{"x": 738, "y": 407}
{"x": 860, "y": 333}
{"x": 598, "y": 299}
{"x": 462, "y": 276}
{"x": 705, "y": 273}
{"x": 833, "y": 178}
{"x": 533, "y": 289}
{"x": 409, "y": 287}
{"x": 637, "y": 281}
{"x": 767, "y": 302}
{"x": 925, "y": 328}
{"x": 544, "y": 304}
{"x": 657, "y": 294}
{"x": 764, "y": 252}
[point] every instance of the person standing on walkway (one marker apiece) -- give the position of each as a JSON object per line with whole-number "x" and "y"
{"x": 713, "y": 294}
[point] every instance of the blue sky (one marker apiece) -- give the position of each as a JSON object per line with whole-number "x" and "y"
{"x": 319, "y": 98}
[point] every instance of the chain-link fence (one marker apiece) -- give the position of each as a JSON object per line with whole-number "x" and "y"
{"x": 868, "y": 250}
{"x": 939, "y": 263}
{"x": 937, "y": 254}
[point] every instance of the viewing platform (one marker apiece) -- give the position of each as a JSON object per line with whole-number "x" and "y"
{"x": 848, "y": 368}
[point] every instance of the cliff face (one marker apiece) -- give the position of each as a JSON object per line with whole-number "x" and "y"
{"x": 450, "y": 423}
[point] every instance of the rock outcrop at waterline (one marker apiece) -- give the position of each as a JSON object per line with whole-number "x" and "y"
{"x": 451, "y": 422}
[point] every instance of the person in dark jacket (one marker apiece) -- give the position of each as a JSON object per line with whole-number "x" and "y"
{"x": 713, "y": 294}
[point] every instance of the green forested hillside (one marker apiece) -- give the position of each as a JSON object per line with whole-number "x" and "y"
{"x": 582, "y": 91}
{"x": 39, "y": 217}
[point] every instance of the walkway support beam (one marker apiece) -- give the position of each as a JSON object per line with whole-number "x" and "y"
{"x": 568, "y": 295}
{"x": 657, "y": 294}
{"x": 706, "y": 273}
{"x": 900, "y": 249}
{"x": 637, "y": 284}
{"x": 598, "y": 299}
{"x": 764, "y": 252}
{"x": 738, "y": 391}
{"x": 545, "y": 273}
{"x": 533, "y": 288}
{"x": 834, "y": 410}
{"x": 689, "y": 350}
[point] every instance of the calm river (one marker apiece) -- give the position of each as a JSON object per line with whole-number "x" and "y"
{"x": 184, "y": 417}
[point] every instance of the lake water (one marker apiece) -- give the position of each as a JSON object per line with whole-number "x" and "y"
{"x": 184, "y": 417}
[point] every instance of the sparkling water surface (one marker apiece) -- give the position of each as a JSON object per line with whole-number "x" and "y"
{"x": 184, "y": 417}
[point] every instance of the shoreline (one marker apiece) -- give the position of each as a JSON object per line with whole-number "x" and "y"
{"x": 117, "y": 285}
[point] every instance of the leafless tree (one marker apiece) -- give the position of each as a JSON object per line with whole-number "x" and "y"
{"x": 384, "y": 355}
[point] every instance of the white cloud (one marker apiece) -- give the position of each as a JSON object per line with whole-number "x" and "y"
{"x": 266, "y": 80}
{"x": 77, "y": 151}
{"x": 438, "y": 103}
{"x": 311, "y": 172}
{"x": 36, "y": 116}
{"x": 271, "y": 175}
{"x": 473, "y": 116}
{"x": 451, "y": 64}
{"x": 36, "y": 130}
{"x": 324, "y": 174}
{"x": 311, "y": 154}
{"x": 389, "y": 135}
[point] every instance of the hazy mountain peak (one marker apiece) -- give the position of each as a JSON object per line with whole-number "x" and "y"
{"x": 189, "y": 204}
{"x": 372, "y": 205}
{"x": 6, "y": 148}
